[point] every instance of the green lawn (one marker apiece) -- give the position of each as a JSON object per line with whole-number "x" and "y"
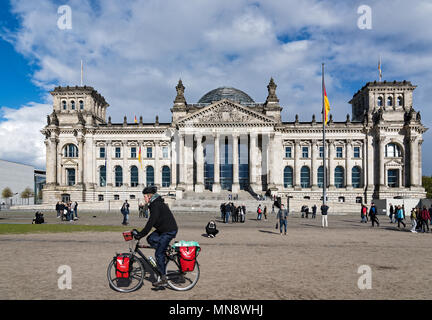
{"x": 50, "y": 228}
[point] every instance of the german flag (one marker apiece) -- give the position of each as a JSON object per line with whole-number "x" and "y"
{"x": 326, "y": 105}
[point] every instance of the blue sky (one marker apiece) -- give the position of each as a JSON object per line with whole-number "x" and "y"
{"x": 135, "y": 52}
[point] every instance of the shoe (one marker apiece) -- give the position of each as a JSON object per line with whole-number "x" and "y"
{"x": 162, "y": 282}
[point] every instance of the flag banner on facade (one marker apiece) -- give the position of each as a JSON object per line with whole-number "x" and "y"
{"x": 326, "y": 105}
{"x": 136, "y": 120}
{"x": 139, "y": 157}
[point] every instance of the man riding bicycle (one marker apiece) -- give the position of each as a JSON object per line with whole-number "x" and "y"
{"x": 163, "y": 220}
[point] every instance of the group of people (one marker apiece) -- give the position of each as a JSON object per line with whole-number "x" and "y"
{"x": 237, "y": 213}
{"x": 261, "y": 212}
{"x": 67, "y": 210}
{"x": 143, "y": 210}
{"x": 420, "y": 219}
{"x": 232, "y": 197}
{"x": 305, "y": 211}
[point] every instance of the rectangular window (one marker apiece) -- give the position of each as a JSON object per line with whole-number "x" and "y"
{"x": 288, "y": 152}
{"x": 393, "y": 178}
{"x": 117, "y": 152}
{"x": 101, "y": 197}
{"x": 149, "y": 152}
{"x": 356, "y": 152}
{"x": 339, "y": 152}
{"x": 71, "y": 176}
{"x": 165, "y": 152}
{"x": 305, "y": 152}
{"x": 133, "y": 152}
{"x": 116, "y": 197}
{"x": 102, "y": 152}
{"x": 321, "y": 152}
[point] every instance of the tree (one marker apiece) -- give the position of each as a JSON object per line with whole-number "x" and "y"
{"x": 427, "y": 184}
{"x": 7, "y": 193}
{"x": 26, "y": 194}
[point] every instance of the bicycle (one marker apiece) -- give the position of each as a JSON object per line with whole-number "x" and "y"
{"x": 176, "y": 278}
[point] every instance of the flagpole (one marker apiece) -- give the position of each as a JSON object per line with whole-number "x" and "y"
{"x": 82, "y": 73}
{"x": 324, "y": 140}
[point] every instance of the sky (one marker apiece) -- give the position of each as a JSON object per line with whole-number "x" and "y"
{"x": 135, "y": 51}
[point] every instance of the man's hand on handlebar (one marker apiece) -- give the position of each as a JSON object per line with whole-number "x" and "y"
{"x": 135, "y": 234}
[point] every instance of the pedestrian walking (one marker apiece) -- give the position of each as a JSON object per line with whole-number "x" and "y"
{"x": 425, "y": 217}
{"x": 227, "y": 212}
{"x": 125, "y": 211}
{"x": 324, "y": 211}
{"x": 314, "y": 210}
{"x": 413, "y": 218}
{"x": 57, "y": 207}
{"x": 391, "y": 213}
{"x": 76, "y": 210}
{"x": 373, "y": 215}
{"x": 265, "y": 212}
{"x": 400, "y": 216}
{"x": 363, "y": 214}
{"x": 302, "y": 210}
{"x": 282, "y": 217}
{"x": 259, "y": 212}
{"x": 307, "y": 212}
{"x": 141, "y": 210}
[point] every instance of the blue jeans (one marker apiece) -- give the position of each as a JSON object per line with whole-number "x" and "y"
{"x": 284, "y": 223}
{"x": 125, "y": 217}
{"x": 76, "y": 213}
{"x": 160, "y": 242}
{"x": 227, "y": 215}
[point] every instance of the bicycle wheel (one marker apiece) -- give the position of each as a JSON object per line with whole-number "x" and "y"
{"x": 181, "y": 281}
{"x": 134, "y": 282}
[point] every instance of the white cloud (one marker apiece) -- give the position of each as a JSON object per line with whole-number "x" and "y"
{"x": 135, "y": 51}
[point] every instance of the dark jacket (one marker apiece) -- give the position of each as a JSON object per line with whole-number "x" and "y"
{"x": 161, "y": 218}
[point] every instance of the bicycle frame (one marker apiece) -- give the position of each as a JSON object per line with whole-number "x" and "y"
{"x": 155, "y": 269}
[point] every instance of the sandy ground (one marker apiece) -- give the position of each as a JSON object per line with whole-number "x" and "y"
{"x": 245, "y": 261}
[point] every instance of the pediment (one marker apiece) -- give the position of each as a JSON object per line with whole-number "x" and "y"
{"x": 394, "y": 163}
{"x": 226, "y": 112}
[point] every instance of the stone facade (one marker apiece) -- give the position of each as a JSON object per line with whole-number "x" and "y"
{"x": 234, "y": 143}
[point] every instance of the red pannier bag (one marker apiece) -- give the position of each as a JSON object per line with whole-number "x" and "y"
{"x": 123, "y": 265}
{"x": 187, "y": 258}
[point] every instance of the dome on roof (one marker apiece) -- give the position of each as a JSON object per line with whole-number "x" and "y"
{"x": 232, "y": 94}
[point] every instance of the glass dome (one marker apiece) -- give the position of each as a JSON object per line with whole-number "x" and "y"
{"x": 232, "y": 94}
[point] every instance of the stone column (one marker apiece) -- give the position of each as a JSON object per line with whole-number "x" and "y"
{"x": 51, "y": 161}
{"x": 181, "y": 164}
{"x": 235, "y": 160}
{"x": 188, "y": 159}
{"x": 157, "y": 168}
{"x": 314, "y": 166}
{"x": 381, "y": 161}
{"x": 413, "y": 162}
{"x": 331, "y": 166}
{"x": 80, "y": 171}
{"x": 126, "y": 168}
{"x": 216, "y": 169}
{"x": 141, "y": 178}
{"x": 369, "y": 156}
{"x": 348, "y": 164}
{"x": 297, "y": 166}
{"x": 253, "y": 151}
{"x": 173, "y": 162}
{"x": 199, "y": 186}
{"x": 419, "y": 162}
{"x": 108, "y": 169}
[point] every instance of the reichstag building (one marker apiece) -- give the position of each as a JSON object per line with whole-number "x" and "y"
{"x": 227, "y": 141}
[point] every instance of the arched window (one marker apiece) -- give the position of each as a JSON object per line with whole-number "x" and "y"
{"x": 389, "y": 101}
{"x": 64, "y": 105}
{"x": 400, "y": 101}
{"x": 339, "y": 177}
{"x": 305, "y": 177}
{"x": 71, "y": 151}
{"x": 393, "y": 150}
{"x": 118, "y": 176}
{"x": 380, "y": 101}
{"x": 149, "y": 176}
{"x": 321, "y": 177}
{"x": 102, "y": 176}
{"x": 134, "y": 176}
{"x": 356, "y": 177}
{"x": 81, "y": 105}
{"x": 166, "y": 176}
{"x": 73, "y": 105}
{"x": 288, "y": 177}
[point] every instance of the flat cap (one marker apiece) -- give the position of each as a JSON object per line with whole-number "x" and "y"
{"x": 150, "y": 189}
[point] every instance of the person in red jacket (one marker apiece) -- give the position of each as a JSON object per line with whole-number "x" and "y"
{"x": 425, "y": 217}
